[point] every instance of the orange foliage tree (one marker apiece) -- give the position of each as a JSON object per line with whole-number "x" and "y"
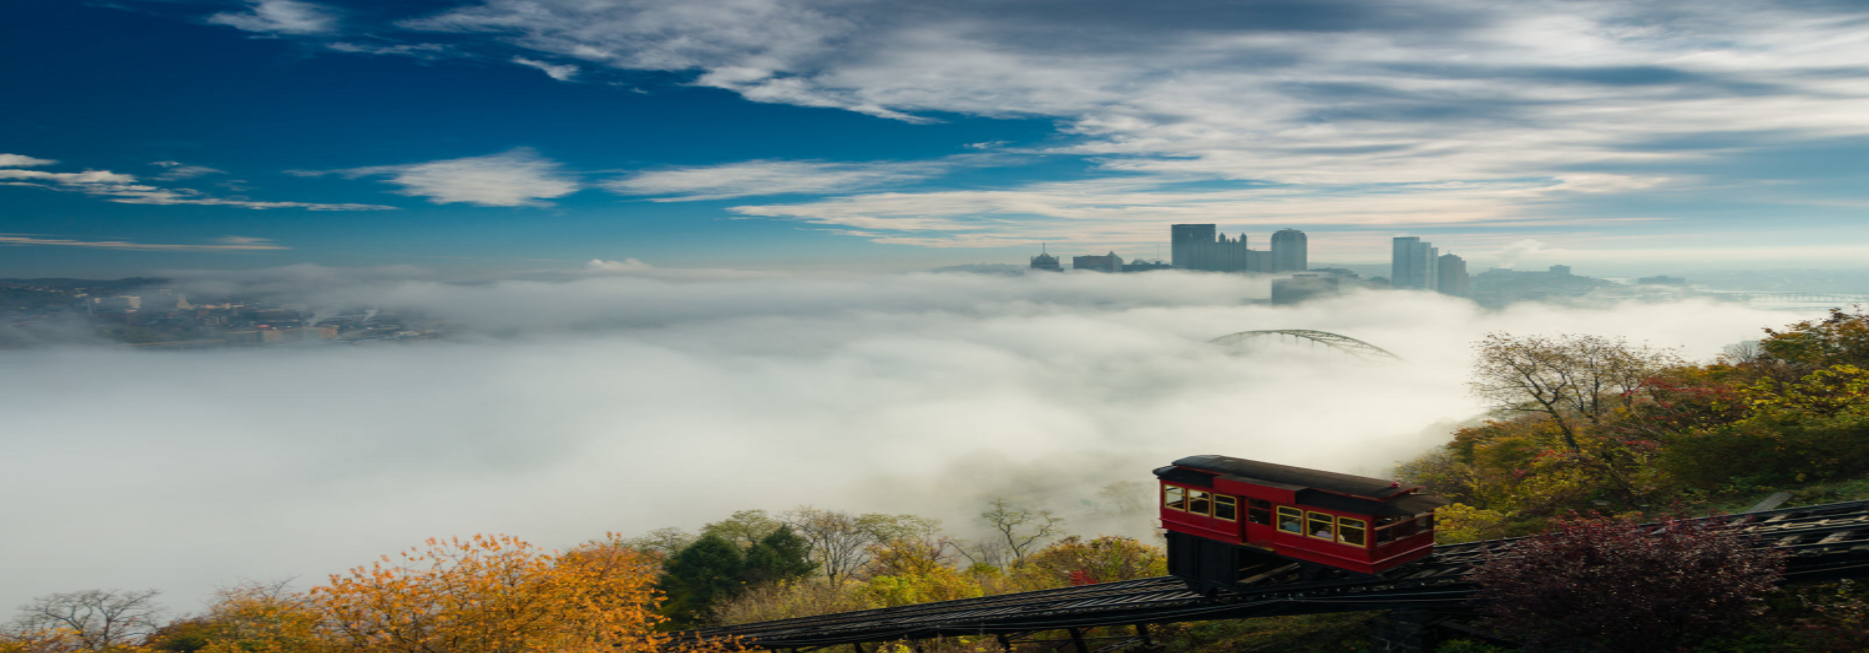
{"x": 496, "y": 594}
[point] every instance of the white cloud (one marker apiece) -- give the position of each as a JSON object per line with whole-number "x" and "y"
{"x": 1138, "y": 209}
{"x": 768, "y": 178}
{"x": 611, "y": 388}
{"x": 125, "y": 189}
{"x": 563, "y": 73}
{"x": 416, "y": 50}
{"x": 177, "y": 170}
{"x": 280, "y": 17}
{"x": 518, "y": 177}
{"x": 625, "y": 265}
{"x": 22, "y": 161}
{"x": 222, "y": 244}
{"x": 1363, "y": 92}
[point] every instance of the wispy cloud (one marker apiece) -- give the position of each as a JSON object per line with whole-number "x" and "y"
{"x": 22, "y": 161}
{"x": 750, "y": 178}
{"x": 1137, "y": 209}
{"x": 280, "y": 17}
{"x": 417, "y": 50}
{"x": 126, "y": 189}
{"x": 518, "y": 177}
{"x": 1356, "y": 92}
{"x": 223, "y": 244}
{"x": 563, "y": 73}
{"x": 175, "y": 170}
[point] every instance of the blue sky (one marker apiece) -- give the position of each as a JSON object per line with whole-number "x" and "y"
{"x": 500, "y": 135}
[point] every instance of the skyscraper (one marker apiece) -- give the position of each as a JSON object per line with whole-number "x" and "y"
{"x": 1045, "y": 261}
{"x": 1106, "y": 263}
{"x": 1414, "y": 264}
{"x": 1199, "y": 247}
{"x": 1451, "y": 276}
{"x": 1184, "y": 238}
{"x": 1289, "y": 251}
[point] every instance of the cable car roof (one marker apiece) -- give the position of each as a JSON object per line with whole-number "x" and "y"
{"x": 1288, "y": 477}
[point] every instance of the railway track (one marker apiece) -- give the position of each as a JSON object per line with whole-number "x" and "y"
{"x": 1822, "y": 542}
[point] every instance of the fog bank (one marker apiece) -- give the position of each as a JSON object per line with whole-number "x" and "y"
{"x": 559, "y": 409}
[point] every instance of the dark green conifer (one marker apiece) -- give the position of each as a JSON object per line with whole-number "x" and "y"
{"x": 779, "y": 556}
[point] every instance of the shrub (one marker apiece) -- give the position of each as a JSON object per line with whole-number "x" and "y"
{"x": 1618, "y": 585}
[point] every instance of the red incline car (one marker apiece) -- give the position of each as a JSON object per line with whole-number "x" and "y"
{"x": 1232, "y": 520}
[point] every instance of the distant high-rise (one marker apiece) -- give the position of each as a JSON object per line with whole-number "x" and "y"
{"x": 1560, "y": 270}
{"x": 1200, "y": 247}
{"x": 1106, "y": 263}
{"x": 1414, "y": 264}
{"x": 1451, "y": 276}
{"x": 1045, "y": 261}
{"x": 1289, "y": 251}
{"x": 1185, "y": 237}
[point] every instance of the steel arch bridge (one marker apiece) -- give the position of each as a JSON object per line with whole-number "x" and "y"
{"x": 1339, "y": 342}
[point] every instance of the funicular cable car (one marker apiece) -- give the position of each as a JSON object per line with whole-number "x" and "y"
{"x": 1233, "y": 522}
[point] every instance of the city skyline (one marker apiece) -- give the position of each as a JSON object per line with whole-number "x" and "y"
{"x": 493, "y": 136}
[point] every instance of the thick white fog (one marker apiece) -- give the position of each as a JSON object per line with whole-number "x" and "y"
{"x": 559, "y": 409}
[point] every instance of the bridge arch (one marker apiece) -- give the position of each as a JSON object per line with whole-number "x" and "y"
{"x": 1335, "y": 341}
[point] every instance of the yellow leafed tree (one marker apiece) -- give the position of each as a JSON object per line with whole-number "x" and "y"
{"x": 496, "y": 594}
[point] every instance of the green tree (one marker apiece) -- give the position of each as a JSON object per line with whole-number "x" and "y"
{"x": 744, "y": 528}
{"x": 1842, "y": 338}
{"x": 702, "y": 575}
{"x": 778, "y": 557}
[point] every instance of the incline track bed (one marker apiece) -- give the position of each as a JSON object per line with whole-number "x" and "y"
{"x": 1822, "y": 542}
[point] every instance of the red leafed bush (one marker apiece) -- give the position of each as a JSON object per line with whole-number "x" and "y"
{"x": 1617, "y": 585}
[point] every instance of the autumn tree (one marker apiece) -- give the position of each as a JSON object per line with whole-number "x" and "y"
{"x": 89, "y": 620}
{"x": 258, "y": 618}
{"x": 1569, "y": 378}
{"x": 839, "y": 541}
{"x": 1619, "y": 585}
{"x": 1076, "y": 561}
{"x": 495, "y": 594}
{"x": 1020, "y": 528}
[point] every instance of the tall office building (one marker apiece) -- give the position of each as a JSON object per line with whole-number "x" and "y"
{"x": 1045, "y": 261}
{"x": 1199, "y": 247}
{"x": 1289, "y": 251}
{"x": 1451, "y": 276}
{"x": 1414, "y": 264}
{"x": 1185, "y": 238}
{"x": 1106, "y": 263}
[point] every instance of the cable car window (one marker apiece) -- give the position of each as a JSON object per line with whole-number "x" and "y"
{"x": 1320, "y": 525}
{"x": 1350, "y": 531}
{"x": 1174, "y": 498}
{"x": 1259, "y": 511}
{"x": 1290, "y": 520}
{"x": 1198, "y": 503}
{"x": 1427, "y": 522}
{"x": 1226, "y": 507}
{"x": 1383, "y": 532}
